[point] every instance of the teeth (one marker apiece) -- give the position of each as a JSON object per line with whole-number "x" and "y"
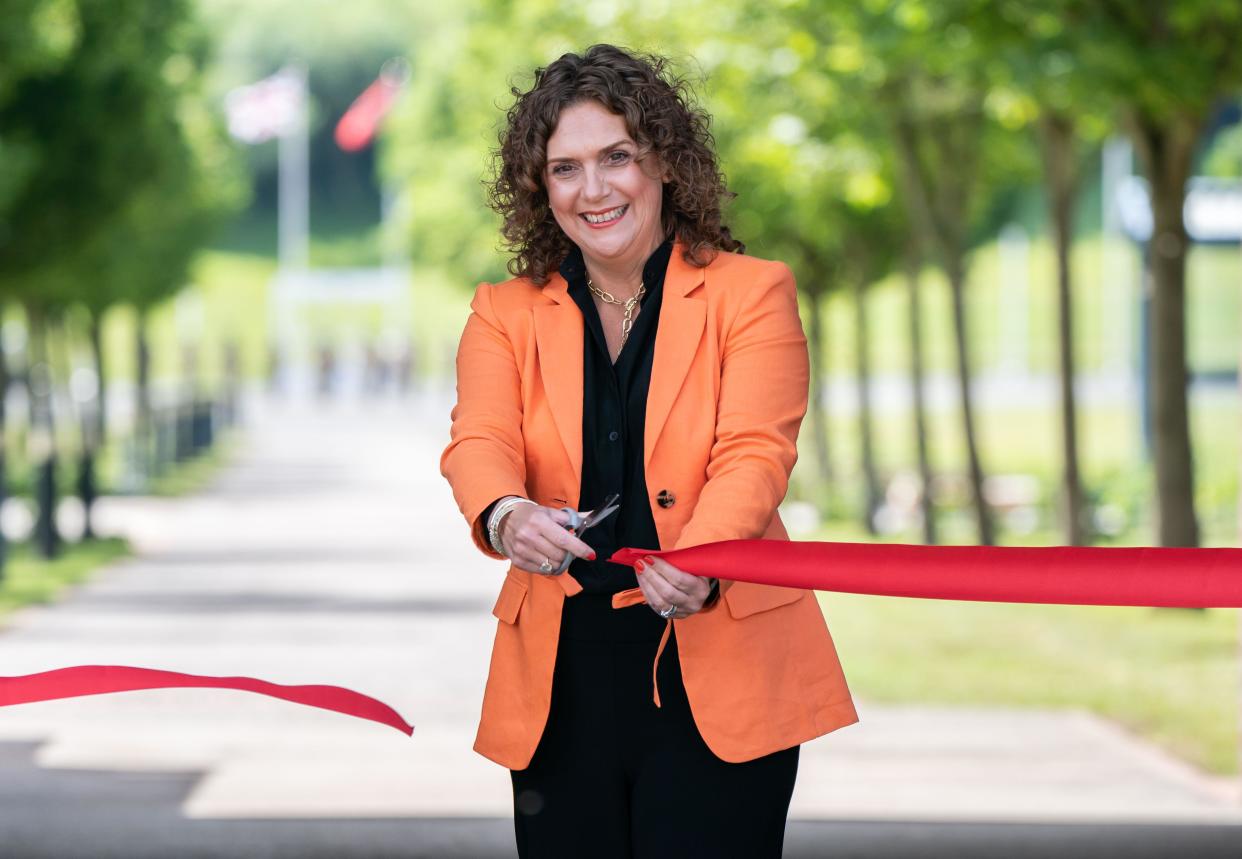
{"x": 606, "y": 217}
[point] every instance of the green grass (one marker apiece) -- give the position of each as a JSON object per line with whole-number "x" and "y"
{"x": 1026, "y": 442}
{"x": 1009, "y": 320}
{"x": 196, "y": 474}
{"x": 1171, "y": 675}
{"x": 28, "y": 579}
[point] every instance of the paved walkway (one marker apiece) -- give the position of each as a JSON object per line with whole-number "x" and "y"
{"x": 331, "y": 552}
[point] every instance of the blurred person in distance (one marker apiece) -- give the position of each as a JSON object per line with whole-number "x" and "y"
{"x": 638, "y": 352}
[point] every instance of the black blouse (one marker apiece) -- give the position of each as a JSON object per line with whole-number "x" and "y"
{"x": 614, "y": 410}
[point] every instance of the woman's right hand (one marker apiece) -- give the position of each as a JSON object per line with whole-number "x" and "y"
{"x": 534, "y": 536}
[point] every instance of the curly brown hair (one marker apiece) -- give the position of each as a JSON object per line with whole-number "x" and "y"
{"x": 660, "y": 114}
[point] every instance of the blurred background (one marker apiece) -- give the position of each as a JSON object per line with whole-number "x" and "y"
{"x": 1016, "y": 228}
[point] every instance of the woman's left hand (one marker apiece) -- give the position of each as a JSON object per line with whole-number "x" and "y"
{"x": 664, "y": 585}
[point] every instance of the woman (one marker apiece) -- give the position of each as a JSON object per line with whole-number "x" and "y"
{"x": 636, "y": 352}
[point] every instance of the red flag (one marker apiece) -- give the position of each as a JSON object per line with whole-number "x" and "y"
{"x": 358, "y": 126}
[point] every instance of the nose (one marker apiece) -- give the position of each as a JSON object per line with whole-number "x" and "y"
{"x": 596, "y": 187}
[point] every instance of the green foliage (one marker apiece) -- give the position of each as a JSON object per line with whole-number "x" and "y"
{"x": 1162, "y": 63}
{"x": 441, "y": 139}
{"x": 36, "y": 39}
{"x": 132, "y": 166}
{"x": 93, "y": 123}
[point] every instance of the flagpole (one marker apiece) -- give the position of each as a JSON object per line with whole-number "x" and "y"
{"x": 294, "y": 184}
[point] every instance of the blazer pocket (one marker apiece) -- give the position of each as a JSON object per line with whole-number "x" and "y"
{"x": 509, "y": 603}
{"x": 747, "y": 598}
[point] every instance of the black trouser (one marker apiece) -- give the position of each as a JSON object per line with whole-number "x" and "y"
{"x": 615, "y": 776}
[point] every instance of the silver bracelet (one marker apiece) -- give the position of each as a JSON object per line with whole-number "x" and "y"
{"x": 503, "y": 506}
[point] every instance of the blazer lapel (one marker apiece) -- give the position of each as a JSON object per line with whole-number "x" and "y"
{"x": 682, "y": 319}
{"x": 558, "y": 339}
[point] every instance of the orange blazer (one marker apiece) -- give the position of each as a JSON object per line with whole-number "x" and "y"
{"x": 728, "y": 393}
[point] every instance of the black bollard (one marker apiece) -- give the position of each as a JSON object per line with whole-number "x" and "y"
{"x": 87, "y": 491}
{"x": 200, "y": 428}
{"x": 183, "y": 433}
{"x": 47, "y": 537}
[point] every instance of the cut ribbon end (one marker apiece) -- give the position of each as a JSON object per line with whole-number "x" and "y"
{"x": 629, "y": 557}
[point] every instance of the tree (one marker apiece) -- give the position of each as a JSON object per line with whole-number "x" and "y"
{"x": 97, "y": 125}
{"x": 144, "y": 254}
{"x": 1038, "y": 65}
{"x": 1166, "y": 66}
{"x": 923, "y": 76}
{"x": 38, "y": 38}
{"x": 873, "y": 234}
{"x": 913, "y": 265}
{"x": 815, "y": 189}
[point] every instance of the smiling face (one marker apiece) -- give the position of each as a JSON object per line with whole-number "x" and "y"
{"x": 605, "y": 199}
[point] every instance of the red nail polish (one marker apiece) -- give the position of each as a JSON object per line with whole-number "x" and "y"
{"x": 639, "y": 565}
{"x": 650, "y": 561}
{"x": 591, "y": 557}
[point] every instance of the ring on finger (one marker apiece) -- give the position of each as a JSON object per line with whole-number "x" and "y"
{"x": 668, "y": 612}
{"x": 546, "y": 566}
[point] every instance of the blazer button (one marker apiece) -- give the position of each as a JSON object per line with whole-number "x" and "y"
{"x": 666, "y": 499}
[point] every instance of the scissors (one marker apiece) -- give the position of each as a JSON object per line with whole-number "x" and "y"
{"x": 580, "y": 522}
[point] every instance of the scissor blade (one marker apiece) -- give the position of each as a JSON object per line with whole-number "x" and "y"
{"x": 596, "y": 516}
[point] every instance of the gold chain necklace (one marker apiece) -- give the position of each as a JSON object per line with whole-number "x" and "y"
{"x": 627, "y": 321}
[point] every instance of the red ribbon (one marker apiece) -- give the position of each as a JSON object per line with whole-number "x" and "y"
{"x": 102, "y": 679}
{"x": 1186, "y": 578}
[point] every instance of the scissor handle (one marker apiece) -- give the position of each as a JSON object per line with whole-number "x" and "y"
{"x": 575, "y": 522}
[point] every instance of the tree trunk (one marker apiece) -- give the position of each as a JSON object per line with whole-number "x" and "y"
{"x": 5, "y": 379}
{"x": 42, "y": 434}
{"x": 97, "y": 357}
{"x": 819, "y": 378}
{"x": 918, "y": 402}
{"x": 983, "y": 518}
{"x": 92, "y": 422}
{"x": 937, "y": 197}
{"x": 78, "y": 412}
{"x": 871, "y": 483}
{"x": 143, "y": 424}
{"x": 1166, "y": 151}
{"x": 1060, "y": 171}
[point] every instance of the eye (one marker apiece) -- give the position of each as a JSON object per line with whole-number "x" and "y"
{"x": 619, "y": 156}
{"x": 562, "y": 169}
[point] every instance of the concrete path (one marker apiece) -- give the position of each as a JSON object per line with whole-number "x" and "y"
{"x": 331, "y": 552}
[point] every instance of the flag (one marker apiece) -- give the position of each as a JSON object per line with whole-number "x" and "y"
{"x": 358, "y": 126}
{"x": 266, "y": 109}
